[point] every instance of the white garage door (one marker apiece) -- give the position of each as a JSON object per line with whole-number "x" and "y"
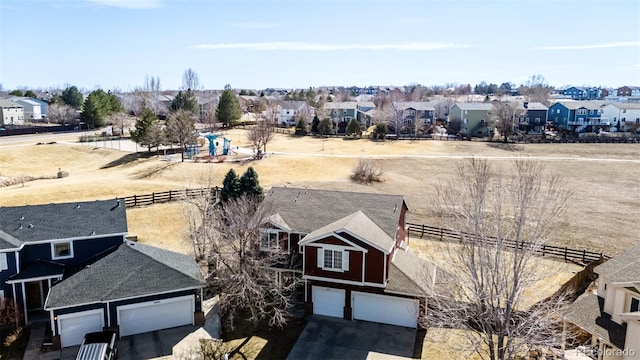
{"x": 155, "y": 315}
{"x": 328, "y": 301}
{"x": 385, "y": 309}
{"x": 72, "y": 327}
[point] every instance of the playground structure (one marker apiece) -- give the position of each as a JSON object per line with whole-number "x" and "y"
{"x": 213, "y": 145}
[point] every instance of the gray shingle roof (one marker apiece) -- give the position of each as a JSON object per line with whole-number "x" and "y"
{"x": 308, "y": 210}
{"x": 62, "y": 221}
{"x": 536, "y": 106}
{"x": 417, "y": 105}
{"x": 359, "y": 225}
{"x": 412, "y": 275}
{"x": 587, "y": 312}
{"x": 622, "y": 268}
{"x": 39, "y": 269}
{"x": 9, "y": 104}
{"x": 475, "y": 106}
{"x": 133, "y": 270}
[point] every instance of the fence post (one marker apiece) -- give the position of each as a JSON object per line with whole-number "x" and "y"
{"x": 153, "y": 197}
{"x": 441, "y": 231}
{"x": 584, "y": 255}
{"x": 169, "y": 195}
{"x": 565, "y": 254}
{"x": 543, "y": 249}
{"x": 422, "y": 233}
{"x": 135, "y": 200}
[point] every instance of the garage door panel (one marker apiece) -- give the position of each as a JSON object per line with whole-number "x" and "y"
{"x": 385, "y": 309}
{"x": 328, "y": 301}
{"x": 73, "y": 327}
{"x": 155, "y": 315}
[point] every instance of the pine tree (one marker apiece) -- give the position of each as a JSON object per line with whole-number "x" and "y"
{"x": 230, "y": 186}
{"x": 30, "y": 94}
{"x": 353, "y": 128}
{"x": 228, "y": 111}
{"x": 250, "y": 186}
{"x": 314, "y": 125}
{"x": 143, "y": 125}
{"x": 325, "y": 127}
{"x": 185, "y": 101}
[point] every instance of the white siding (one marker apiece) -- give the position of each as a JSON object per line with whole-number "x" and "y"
{"x": 632, "y": 343}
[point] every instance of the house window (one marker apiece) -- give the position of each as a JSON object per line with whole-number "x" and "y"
{"x": 635, "y": 305}
{"x": 269, "y": 241}
{"x": 332, "y": 259}
{"x": 62, "y": 250}
{"x": 466, "y": 121}
{"x": 624, "y": 111}
{"x": 3, "y": 262}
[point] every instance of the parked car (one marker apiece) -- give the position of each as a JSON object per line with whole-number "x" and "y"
{"x": 98, "y": 346}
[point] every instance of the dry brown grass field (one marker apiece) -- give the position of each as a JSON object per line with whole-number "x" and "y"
{"x": 602, "y": 215}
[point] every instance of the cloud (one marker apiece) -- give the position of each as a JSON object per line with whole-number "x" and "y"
{"x": 303, "y": 46}
{"x": 129, "y": 4}
{"x": 591, "y": 46}
{"x": 255, "y": 25}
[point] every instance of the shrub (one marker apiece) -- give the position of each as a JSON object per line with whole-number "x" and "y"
{"x": 367, "y": 171}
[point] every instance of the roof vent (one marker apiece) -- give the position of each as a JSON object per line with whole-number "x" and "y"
{"x": 30, "y": 225}
{"x": 395, "y": 207}
{"x": 21, "y": 217}
{"x": 77, "y": 206}
{"x": 20, "y": 227}
{"x": 93, "y": 233}
{"x": 118, "y": 202}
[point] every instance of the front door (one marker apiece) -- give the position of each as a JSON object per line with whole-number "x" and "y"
{"x": 34, "y": 295}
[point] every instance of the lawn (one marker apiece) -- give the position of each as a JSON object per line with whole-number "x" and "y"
{"x": 601, "y": 216}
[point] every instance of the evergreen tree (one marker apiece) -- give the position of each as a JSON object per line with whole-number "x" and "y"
{"x": 325, "y": 127}
{"x": 142, "y": 132}
{"x": 250, "y": 186}
{"x": 185, "y": 101}
{"x": 72, "y": 97}
{"x": 353, "y": 128}
{"x": 98, "y": 106}
{"x": 230, "y": 186}
{"x": 314, "y": 125}
{"x": 228, "y": 111}
{"x": 16, "y": 93}
{"x": 30, "y": 94}
{"x": 301, "y": 127}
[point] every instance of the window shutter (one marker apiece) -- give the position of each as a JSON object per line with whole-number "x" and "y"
{"x": 320, "y": 257}
{"x": 3, "y": 261}
{"x": 345, "y": 260}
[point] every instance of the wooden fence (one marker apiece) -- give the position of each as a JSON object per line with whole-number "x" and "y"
{"x": 167, "y": 196}
{"x": 566, "y": 253}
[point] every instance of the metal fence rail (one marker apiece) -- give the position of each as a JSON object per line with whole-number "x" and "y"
{"x": 566, "y": 253}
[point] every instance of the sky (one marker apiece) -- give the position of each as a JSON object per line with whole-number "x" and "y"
{"x": 257, "y": 44}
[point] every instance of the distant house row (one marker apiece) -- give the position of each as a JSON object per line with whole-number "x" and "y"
{"x": 593, "y": 93}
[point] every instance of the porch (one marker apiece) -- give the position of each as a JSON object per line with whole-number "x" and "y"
{"x": 31, "y": 286}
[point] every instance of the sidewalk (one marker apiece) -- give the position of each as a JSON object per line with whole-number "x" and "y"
{"x": 35, "y": 344}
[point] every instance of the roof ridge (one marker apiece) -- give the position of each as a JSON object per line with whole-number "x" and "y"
{"x": 132, "y": 245}
{"x": 10, "y": 239}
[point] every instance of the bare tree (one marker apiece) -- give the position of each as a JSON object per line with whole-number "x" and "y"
{"x": 260, "y": 135}
{"x": 209, "y": 115}
{"x": 61, "y": 114}
{"x": 536, "y": 89}
{"x": 228, "y": 236}
{"x": 180, "y": 129}
{"x": 502, "y": 219}
{"x": 507, "y": 115}
{"x": 394, "y": 114}
{"x": 191, "y": 80}
{"x": 120, "y": 121}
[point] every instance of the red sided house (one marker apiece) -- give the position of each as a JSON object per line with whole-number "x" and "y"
{"x": 355, "y": 261}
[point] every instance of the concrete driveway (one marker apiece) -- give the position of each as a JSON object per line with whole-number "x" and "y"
{"x": 332, "y": 338}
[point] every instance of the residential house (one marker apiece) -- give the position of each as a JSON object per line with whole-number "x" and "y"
{"x": 207, "y": 107}
{"x": 534, "y": 117}
{"x": 355, "y": 261}
{"x": 583, "y": 93}
{"x": 30, "y": 113}
{"x": 476, "y": 119}
{"x": 578, "y": 116}
{"x": 611, "y": 316}
{"x": 72, "y": 261}
{"x": 622, "y": 116}
{"x": 32, "y": 109}
{"x": 288, "y": 112}
{"x": 341, "y": 112}
{"x": 417, "y": 112}
{"x": 365, "y": 113}
{"x": 442, "y": 107}
{"x": 11, "y": 113}
{"x": 628, "y": 91}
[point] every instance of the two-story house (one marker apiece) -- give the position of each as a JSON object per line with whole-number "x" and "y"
{"x": 354, "y": 253}
{"x": 577, "y": 116}
{"x": 628, "y": 91}
{"x": 341, "y": 113}
{"x": 417, "y": 112}
{"x": 11, "y": 113}
{"x": 622, "y": 116}
{"x": 583, "y": 93}
{"x": 534, "y": 117}
{"x": 71, "y": 263}
{"x": 612, "y": 315}
{"x": 476, "y": 119}
{"x": 290, "y": 111}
